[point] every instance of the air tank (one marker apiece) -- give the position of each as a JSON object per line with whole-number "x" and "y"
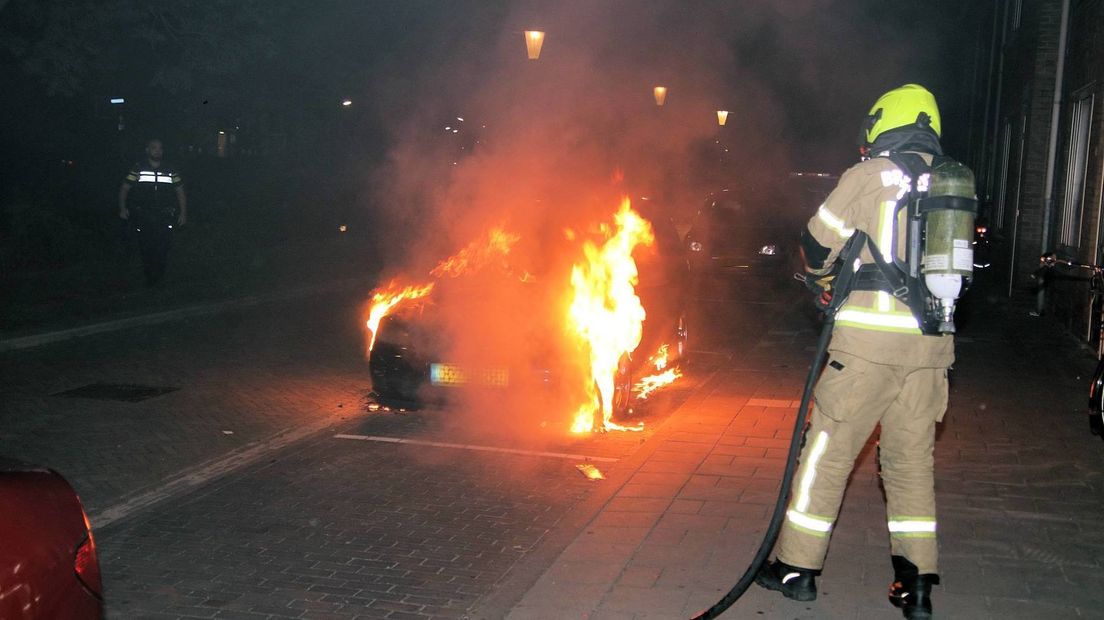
{"x": 949, "y": 211}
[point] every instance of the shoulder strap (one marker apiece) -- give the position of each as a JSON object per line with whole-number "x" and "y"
{"x": 893, "y": 276}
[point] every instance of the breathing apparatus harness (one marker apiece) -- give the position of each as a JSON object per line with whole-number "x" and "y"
{"x": 936, "y": 266}
{"x": 906, "y": 279}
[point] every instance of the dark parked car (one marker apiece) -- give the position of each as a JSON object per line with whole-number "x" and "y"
{"x": 48, "y": 563}
{"x": 495, "y": 330}
{"x": 744, "y": 234}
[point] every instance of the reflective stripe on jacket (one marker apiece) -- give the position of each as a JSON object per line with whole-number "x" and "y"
{"x": 873, "y": 324}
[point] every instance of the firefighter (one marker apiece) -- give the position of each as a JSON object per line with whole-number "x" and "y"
{"x": 882, "y": 370}
{"x": 152, "y": 201}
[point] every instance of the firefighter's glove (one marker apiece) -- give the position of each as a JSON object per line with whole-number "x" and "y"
{"x": 821, "y": 286}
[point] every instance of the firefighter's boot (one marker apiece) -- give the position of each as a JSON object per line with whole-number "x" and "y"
{"x": 911, "y": 591}
{"x": 795, "y": 583}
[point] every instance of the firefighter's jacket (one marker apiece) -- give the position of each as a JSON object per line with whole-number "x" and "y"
{"x": 874, "y": 325}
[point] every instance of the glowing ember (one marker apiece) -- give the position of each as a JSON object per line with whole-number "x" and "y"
{"x": 606, "y": 311}
{"x": 385, "y": 300}
{"x": 477, "y": 254}
{"x": 590, "y": 471}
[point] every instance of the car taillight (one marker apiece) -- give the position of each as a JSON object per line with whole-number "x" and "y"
{"x": 86, "y": 564}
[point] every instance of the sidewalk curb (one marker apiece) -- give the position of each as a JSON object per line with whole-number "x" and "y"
{"x": 50, "y": 337}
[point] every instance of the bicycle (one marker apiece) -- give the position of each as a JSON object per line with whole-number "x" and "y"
{"x": 1096, "y": 289}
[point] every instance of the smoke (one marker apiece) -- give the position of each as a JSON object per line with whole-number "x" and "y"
{"x": 484, "y": 137}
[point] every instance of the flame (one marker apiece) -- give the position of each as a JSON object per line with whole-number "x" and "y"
{"x": 664, "y": 376}
{"x": 477, "y": 254}
{"x": 644, "y": 388}
{"x": 383, "y": 301}
{"x": 474, "y": 256}
{"x": 606, "y": 312}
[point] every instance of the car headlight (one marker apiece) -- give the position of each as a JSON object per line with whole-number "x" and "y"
{"x": 695, "y": 246}
{"x": 768, "y": 250}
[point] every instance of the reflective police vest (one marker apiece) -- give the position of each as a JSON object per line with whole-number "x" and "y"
{"x": 153, "y": 191}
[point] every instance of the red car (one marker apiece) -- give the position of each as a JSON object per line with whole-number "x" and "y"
{"x": 48, "y": 564}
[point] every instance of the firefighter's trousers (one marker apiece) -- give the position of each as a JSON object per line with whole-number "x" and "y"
{"x": 852, "y": 397}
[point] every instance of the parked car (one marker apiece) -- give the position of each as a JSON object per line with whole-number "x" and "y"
{"x": 744, "y": 234}
{"x": 48, "y": 563}
{"x": 509, "y": 329}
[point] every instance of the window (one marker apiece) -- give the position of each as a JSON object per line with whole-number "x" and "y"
{"x": 1076, "y": 160}
{"x": 1002, "y": 186}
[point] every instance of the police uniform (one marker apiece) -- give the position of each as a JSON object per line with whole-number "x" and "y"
{"x": 881, "y": 370}
{"x": 154, "y": 208}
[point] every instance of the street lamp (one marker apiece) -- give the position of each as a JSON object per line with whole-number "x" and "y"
{"x": 534, "y": 39}
{"x": 660, "y": 93}
{"x": 722, "y": 117}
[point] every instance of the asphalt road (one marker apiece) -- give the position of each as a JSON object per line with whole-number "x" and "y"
{"x": 261, "y": 484}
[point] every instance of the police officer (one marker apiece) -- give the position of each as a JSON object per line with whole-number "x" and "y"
{"x": 153, "y": 201}
{"x": 881, "y": 370}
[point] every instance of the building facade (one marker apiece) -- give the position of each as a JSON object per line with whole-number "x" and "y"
{"x": 1041, "y": 158}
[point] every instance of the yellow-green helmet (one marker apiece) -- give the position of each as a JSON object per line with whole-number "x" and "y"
{"x": 910, "y": 104}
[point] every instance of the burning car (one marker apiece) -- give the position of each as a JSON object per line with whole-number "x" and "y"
{"x": 486, "y": 321}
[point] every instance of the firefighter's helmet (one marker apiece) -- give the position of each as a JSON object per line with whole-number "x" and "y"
{"x": 909, "y": 105}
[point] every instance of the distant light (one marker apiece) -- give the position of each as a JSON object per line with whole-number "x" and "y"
{"x": 117, "y": 100}
{"x": 222, "y": 133}
{"x": 448, "y": 127}
{"x": 660, "y": 93}
{"x": 460, "y": 119}
{"x": 347, "y": 102}
{"x": 722, "y": 117}
{"x": 343, "y": 228}
{"x": 455, "y": 131}
{"x": 534, "y": 39}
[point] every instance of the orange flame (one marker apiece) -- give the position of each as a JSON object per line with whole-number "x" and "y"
{"x": 606, "y": 312}
{"x": 472, "y": 257}
{"x": 477, "y": 254}
{"x": 384, "y": 301}
{"x": 664, "y": 376}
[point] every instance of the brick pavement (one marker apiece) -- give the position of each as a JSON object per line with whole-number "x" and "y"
{"x": 1019, "y": 484}
{"x": 340, "y": 529}
{"x": 244, "y": 376}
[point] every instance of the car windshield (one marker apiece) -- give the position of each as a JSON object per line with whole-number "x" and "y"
{"x": 738, "y": 212}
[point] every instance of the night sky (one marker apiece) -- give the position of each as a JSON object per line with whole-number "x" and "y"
{"x": 797, "y": 77}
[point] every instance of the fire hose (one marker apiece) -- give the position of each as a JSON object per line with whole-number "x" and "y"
{"x": 787, "y": 481}
{"x": 845, "y": 265}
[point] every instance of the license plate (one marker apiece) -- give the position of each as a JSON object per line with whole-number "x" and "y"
{"x": 454, "y": 375}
